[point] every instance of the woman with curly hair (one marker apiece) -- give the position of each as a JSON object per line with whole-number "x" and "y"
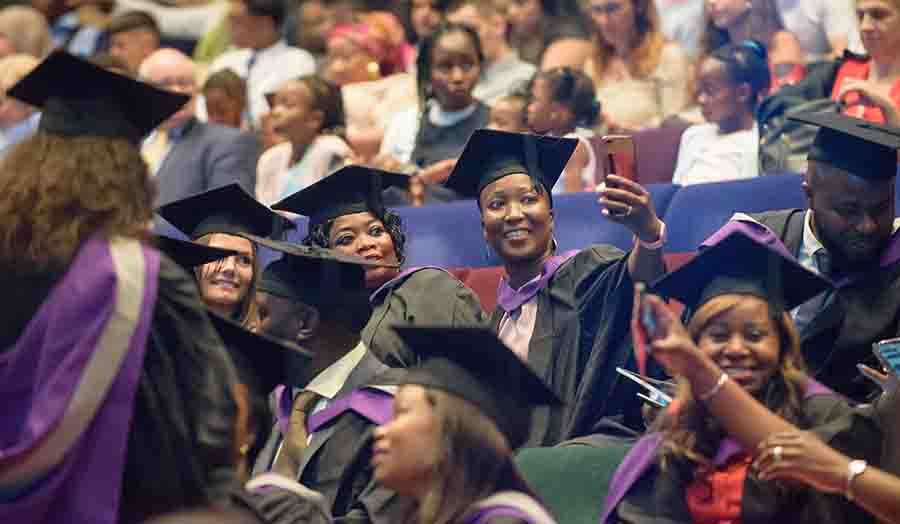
{"x": 458, "y": 419}
{"x": 740, "y": 340}
{"x": 108, "y": 357}
{"x": 640, "y": 77}
{"x": 346, "y": 213}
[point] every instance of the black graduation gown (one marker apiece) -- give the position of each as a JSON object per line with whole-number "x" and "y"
{"x": 184, "y": 392}
{"x": 862, "y": 312}
{"x": 581, "y": 334}
{"x": 427, "y": 296}
{"x": 658, "y": 496}
{"x": 336, "y": 463}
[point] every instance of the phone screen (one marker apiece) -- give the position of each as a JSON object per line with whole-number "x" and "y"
{"x": 888, "y": 352}
{"x": 617, "y": 155}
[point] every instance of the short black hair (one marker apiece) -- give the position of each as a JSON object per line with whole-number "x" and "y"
{"x": 423, "y": 60}
{"x": 131, "y": 20}
{"x": 274, "y": 9}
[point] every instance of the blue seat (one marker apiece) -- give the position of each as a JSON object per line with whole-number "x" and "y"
{"x": 698, "y": 211}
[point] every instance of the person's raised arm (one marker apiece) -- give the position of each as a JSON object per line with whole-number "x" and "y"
{"x": 628, "y": 203}
{"x": 742, "y": 416}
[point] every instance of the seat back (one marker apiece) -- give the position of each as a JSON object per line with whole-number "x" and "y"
{"x": 572, "y": 479}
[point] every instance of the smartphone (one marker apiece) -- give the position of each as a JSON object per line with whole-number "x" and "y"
{"x": 648, "y": 315}
{"x": 619, "y": 155}
{"x": 888, "y": 352}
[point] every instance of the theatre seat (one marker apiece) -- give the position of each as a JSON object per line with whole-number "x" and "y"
{"x": 698, "y": 211}
{"x": 572, "y": 479}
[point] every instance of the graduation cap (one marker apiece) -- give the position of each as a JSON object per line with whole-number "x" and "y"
{"x": 860, "y": 147}
{"x": 490, "y": 155}
{"x": 78, "y": 98}
{"x": 473, "y": 364}
{"x": 189, "y": 254}
{"x": 313, "y": 275}
{"x": 351, "y": 189}
{"x": 261, "y": 360}
{"x": 226, "y": 209}
{"x": 744, "y": 263}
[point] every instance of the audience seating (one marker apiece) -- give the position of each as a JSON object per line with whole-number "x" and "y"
{"x": 450, "y": 236}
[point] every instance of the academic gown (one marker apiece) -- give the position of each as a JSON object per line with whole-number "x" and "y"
{"x": 505, "y": 507}
{"x": 641, "y": 492}
{"x": 865, "y": 309}
{"x": 336, "y": 464}
{"x": 178, "y": 326}
{"x": 425, "y": 296}
{"x": 581, "y": 334}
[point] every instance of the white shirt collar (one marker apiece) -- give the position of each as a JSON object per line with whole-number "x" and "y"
{"x": 331, "y": 379}
{"x": 439, "y": 117}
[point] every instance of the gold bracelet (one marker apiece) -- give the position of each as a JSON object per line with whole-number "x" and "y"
{"x": 723, "y": 378}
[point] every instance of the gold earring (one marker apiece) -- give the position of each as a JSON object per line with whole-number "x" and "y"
{"x": 244, "y": 449}
{"x": 374, "y": 69}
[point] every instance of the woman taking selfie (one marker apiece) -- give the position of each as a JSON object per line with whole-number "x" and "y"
{"x": 566, "y": 314}
{"x": 696, "y": 464}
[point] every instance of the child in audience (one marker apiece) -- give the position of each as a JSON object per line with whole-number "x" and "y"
{"x": 563, "y": 104}
{"x": 431, "y": 136}
{"x": 226, "y": 95}
{"x": 309, "y": 113}
{"x": 732, "y": 80}
{"x": 509, "y": 114}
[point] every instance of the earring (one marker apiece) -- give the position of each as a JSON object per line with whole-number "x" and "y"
{"x": 244, "y": 449}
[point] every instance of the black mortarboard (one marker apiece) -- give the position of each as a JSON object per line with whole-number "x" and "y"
{"x": 78, "y": 98}
{"x": 746, "y": 263}
{"x": 351, "y": 189}
{"x": 226, "y": 209}
{"x": 189, "y": 254}
{"x": 859, "y": 147}
{"x": 491, "y": 155}
{"x": 261, "y": 360}
{"x": 313, "y": 275}
{"x": 473, "y": 364}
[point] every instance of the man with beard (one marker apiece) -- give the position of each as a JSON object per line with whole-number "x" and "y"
{"x": 848, "y": 234}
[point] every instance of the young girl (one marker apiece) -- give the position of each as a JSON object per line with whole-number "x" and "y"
{"x": 431, "y": 136}
{"x": 563, "y": 104}
{"x": 309, "y": 112}
{"x": 732, "y": 81}
{"x": 510, "y": 114}
{"x": 457, "y": 421}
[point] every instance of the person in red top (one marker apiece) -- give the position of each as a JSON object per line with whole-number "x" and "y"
{"x": 868, "y": 85}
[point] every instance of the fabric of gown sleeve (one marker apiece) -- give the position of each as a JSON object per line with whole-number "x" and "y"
{"x": 425, "y": 297}
{"x": 580, "y": 335}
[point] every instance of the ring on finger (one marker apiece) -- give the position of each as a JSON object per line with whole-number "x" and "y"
{"x": 628, "y": 211}
{"x": 777, "y": 451}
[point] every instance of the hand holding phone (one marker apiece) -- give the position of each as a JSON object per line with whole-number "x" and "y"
{"x": 888, "y": 353}
{"x": 644, "y": 329}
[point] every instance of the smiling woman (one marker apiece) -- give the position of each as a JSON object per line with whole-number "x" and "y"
{"x": 563, "y": 313}
{"x": 346, "y": 213}
{"x": 217, "y": 218}
{"x": 739, "y": 291}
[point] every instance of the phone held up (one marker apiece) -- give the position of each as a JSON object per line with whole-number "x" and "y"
{"x": 617, "y": 154}
{"x": 888, "y": 353}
